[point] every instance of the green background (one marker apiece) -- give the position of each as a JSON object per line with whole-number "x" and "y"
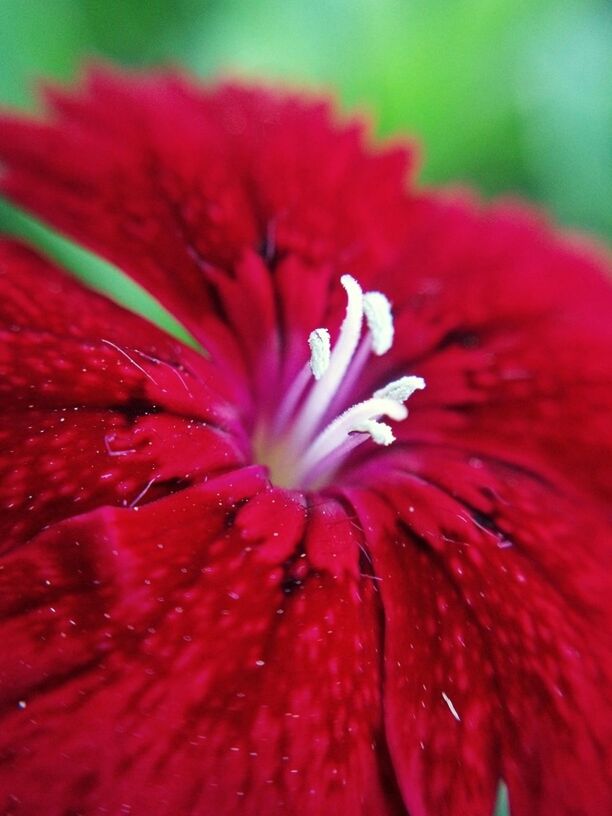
{"x": 510, "y": 96}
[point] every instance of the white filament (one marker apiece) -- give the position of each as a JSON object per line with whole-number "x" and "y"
{"x": 354, "y": 419}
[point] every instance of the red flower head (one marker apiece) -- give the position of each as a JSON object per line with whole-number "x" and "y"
{"x": 244, "y": 581}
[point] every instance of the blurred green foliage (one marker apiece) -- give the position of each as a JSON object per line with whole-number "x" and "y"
{"x": 502, "y": 806}
{"x": 512, "y": 96}
{"x": 99, "y": 274}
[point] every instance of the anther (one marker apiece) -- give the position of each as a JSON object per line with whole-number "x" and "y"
{"x": 379, "y": 318}
{"x": 401, "y": 389}
{"x": 321, "y": 395}
{"x": 379, "y": 432}
{"x": 320, "y": 352}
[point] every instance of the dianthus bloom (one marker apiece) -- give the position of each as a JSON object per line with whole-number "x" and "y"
{"x": 244, "y": 580}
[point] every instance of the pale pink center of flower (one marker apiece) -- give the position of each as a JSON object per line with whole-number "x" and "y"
{"x": 304, "y": 446}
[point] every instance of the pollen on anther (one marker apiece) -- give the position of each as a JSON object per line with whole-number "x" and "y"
{"x": 320, "y": 352}
{"x": 379, "y": 318}
{"x": 380, "y": 432}
{"x": 400, "y": 390}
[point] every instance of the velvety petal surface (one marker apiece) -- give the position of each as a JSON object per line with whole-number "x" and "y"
{"x": 495, "y": 586}
{"x": 98, "y": 406}
{"x": 490, "y": 519}
{"x": 509, "y": 325}
{"x": 189, "y": 657}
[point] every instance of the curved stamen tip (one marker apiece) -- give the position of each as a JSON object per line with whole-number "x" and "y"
{"x": 320, "y": 352}
{"x": 380, "y": 432}
{"x": 351, "y": 286}
{"x": 400, "y": 390}
{"x": 377, "y": 310}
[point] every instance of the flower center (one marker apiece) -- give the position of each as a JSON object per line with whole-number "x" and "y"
{"x": 308, "y": 441}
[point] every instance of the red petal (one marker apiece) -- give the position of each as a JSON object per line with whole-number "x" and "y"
{"x": 497, "y": 652}
{"x": 158, "y": 661}
{"x": 98, "y": 405}
{"x": 55, "y": 464}
{"x": 128, "y": 357}
{"x": 509, "y": 324}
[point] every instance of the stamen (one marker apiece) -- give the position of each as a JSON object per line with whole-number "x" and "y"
{"x": 352, "y": 420}
{"x": 378, "y": 315}
{"x": 308, "y": 453}
{"x": 320, "y": 352}
{"x": 380, "y": 432}
{"x": 322, "y": 393}
{"x": 379, "y": 339}
{"x": 401, "y": 389}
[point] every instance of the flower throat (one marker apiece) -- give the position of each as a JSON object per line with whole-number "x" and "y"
{"x": 307, "y": 441}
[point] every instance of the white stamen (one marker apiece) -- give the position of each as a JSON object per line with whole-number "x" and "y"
{"x": 320, "y": 352}
{"x": 380, "y": 432}
{"x": 350, "y": 421}
{"x": 322, "y": 393}
{"x": 314, "y": 449}
{"x": 401, "y": 389}
{"x": 379, "y": 318}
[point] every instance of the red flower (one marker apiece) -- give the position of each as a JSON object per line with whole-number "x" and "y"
{"x": 365, "y": 628}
